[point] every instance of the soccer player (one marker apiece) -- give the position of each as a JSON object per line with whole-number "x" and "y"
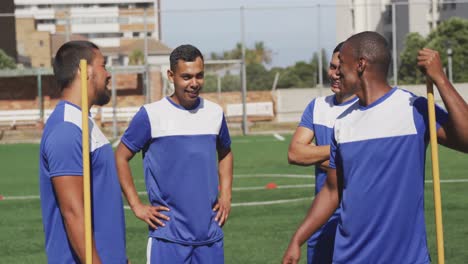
{"x": 61, "y": 168}
{"x": 186, "y": 156}
{"x": 378, "y": 156}
{"x": 317, "y": 122}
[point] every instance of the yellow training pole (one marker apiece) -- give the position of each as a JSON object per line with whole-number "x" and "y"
{"x": 435, "y": 171}
{"x": 86, "y": 170}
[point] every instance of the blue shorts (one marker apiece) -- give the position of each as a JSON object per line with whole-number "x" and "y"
{"x": 321, "y": 244}
{"x": 161, "y": 251}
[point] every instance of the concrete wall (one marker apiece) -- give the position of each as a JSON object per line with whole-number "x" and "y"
{"x": 292, "y": 102}
{"x": 21, "y": 92}
{"x": 288, "y": 103}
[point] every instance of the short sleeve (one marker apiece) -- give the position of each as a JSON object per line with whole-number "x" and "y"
{"x": 420, "y": 105}
{"x": 307, "y": 119}
{"x": 333, "y": 151}
{"x": 64, "y": 150}
{"x": 138, "y": 132}
{"x": 223, "y": 139}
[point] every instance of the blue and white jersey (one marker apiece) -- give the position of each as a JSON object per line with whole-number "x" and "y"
{"x": 61, "y": 155}
{"x": 319, "y": 116}
{"x": 381, "y": 149}
{"x": 181, "y": 165}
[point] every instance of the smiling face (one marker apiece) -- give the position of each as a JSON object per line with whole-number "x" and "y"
{"x": 347, "y": 70}
{"x": 188, "y": 79}
{"x": 335, "y": 81}
{"x": 100, "y": 79}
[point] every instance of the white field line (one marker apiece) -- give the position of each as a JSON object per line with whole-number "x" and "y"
{"x": 262, "y": 202}
{"x": 35, "y": 197}
{"x": 278, "y": 137}
{"x": 272, "y": 202}
{"x": 239, "y": 176}
{"x": 255, "y": 188}
{"x": 25, "y": 197}
{"x": 273, "y": 176}
{"x": 278, "y": 187}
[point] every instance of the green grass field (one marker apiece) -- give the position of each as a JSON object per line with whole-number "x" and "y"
{"x": 254, "y": 233}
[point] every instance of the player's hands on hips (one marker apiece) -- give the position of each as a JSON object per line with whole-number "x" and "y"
{"x": 151, "y": 214}
{"x": 430, "y": 63}
{"x": 292, "y": 254}
{"x": 223, "y": 207}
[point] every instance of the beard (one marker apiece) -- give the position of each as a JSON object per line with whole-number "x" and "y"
{"x": 103, "y": 94}
{"x": 103, "y": 97}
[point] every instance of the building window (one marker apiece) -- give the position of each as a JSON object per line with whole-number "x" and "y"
{"x": 41, "y": 43}
{"x": 105, "y": 35}
{"x": 135, "y": 34}
{"x": 142, "y": 5}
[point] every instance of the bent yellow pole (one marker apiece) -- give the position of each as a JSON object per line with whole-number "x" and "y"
{"x": 435, "y": 171}
{"x": 86, "y": 169}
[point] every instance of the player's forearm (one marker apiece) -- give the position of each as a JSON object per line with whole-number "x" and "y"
{"x": 74, "y": 225}
{"x": 307, "y": 154}
{"x": 225, "y": 170}
{"x": 127, "y": 184}
{"x": 322, "y": 208}
{"x": 457, "y": 108}
{"x": 122, "y": 159}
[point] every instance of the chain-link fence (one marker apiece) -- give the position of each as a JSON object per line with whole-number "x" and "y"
{"x": 249, "y": 50}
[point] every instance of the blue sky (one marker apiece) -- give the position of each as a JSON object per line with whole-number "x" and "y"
{"x": 290, "y": 32}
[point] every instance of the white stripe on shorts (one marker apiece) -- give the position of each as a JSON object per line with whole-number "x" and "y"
{"x": 148, "y": 250}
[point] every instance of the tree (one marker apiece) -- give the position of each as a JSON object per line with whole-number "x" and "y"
{"x": 301, "y": 75}
{"x": 231, "y": 82}
{"x": 258, "y": 55}
{"x": 288, "y": 78}
{"x": 408, "y": 73}
{"x": 307, "y": 74}
{"x": 324, "y": 71}
{"x": 258, "y": 77}
{"x": 6, "y": 62}
{"x": 451, "y": 33}
{"x": 136, "y": 57}
{"x": 262, "y": 54}
{"x": 210, "y": 83}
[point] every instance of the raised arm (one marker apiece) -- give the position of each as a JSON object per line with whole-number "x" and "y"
{"x": 147, "y": 213}
{"x": 225, "y": 171}
{"x": 454, "y": 133}
{"x": 302, "y": 151}
{"x": 322, "y": 208}
{"x": 69, "y": 191}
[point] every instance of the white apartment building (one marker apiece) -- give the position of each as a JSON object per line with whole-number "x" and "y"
{"x": 354, "y": 16}
{"x": 395, "y": 19}
{"x": 105, "y": 22}
{"x": 114, "y": 25}
{"x": 376, "y": 15}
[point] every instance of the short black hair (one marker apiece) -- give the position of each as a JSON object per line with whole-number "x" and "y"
{"x": 67, "y": 60}
{"x": 338, "y": 47}
{"x": 185, "y": 52}
{"x": 373, "y": 47}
